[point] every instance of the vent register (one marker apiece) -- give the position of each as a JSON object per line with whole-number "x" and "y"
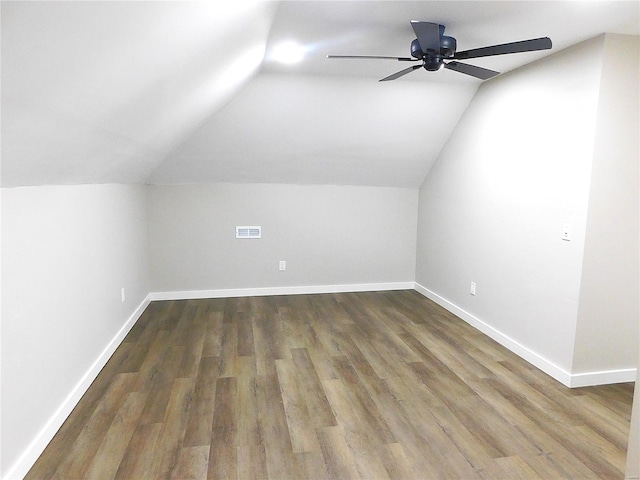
{"x": 249, "y": 232}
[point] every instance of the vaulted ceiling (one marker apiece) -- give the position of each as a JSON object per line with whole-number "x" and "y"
{"x": 185, "y": 92}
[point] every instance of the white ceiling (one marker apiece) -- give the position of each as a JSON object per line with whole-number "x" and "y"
{"x": 180, "y": 92}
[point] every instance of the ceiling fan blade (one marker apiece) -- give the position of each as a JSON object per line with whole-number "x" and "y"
{"x": 478, "y": 72}
{"x": 401, "y": 59}
{"x": 532, "y": 45}
{"x": 400, "y": 73}
{"x": 428, "y": 35}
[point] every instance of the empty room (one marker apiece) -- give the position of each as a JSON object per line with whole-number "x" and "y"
{"x": 320, "y": 239}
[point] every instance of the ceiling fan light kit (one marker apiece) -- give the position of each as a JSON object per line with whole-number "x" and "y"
{"x": 432, "y": 47}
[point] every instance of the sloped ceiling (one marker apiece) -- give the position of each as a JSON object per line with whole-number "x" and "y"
{"x": 99, "y": 92}
{"x": 182, "y": 92}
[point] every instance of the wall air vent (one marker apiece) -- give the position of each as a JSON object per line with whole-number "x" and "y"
{"x": 248, "y": 232}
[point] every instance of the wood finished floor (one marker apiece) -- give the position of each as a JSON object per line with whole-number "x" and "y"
{"x": 356, "y": 385}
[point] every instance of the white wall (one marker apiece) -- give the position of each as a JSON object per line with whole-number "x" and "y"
{"x": 516, "y": 168}
{"x": 607, "y": 329}
{"x": 66, "y": 253}
{"x": 328, "y": 235}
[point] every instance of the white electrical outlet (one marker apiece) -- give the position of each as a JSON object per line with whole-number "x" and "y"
{"x": 282, "y": 265}
{"x": 472, "y": 290}
{"x": 122, "y": 296}
{"x": 566, "y": 232}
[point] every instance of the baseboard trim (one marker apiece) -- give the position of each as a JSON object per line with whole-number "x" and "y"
{"x": 586, "y": 379}
{"x": 606, "y": 377}
{"x": 22, "y": 466}
{"x": 268, "y": 291}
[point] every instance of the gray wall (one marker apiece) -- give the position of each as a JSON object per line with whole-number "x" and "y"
{"x": 607, "y": 329}
{"x": 516, "y": 168}
{"x": 66, "y": 253}
{"x": 553, "y": 143}
{"x": 328, "y": 235}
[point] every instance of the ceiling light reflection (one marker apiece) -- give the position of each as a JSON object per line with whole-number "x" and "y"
{"x": 288, "y": 52}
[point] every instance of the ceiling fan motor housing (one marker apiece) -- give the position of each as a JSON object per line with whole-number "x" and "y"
{"x": 416, "y": 51}
{"x": 433, "y": 63}
{"x": 447, "y": 48}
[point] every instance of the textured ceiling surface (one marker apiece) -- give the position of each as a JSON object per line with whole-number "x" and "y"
{"x": 184, "y": 92}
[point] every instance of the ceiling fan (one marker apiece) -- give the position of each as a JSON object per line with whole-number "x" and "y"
{"x": 433, "y": 47}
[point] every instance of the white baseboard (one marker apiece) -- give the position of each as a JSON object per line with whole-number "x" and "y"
{"x": 606, "y": 377}
{"x": 37, "y": 446}
{"x": 267, "y": 291}
{"x": 570, "y": 380}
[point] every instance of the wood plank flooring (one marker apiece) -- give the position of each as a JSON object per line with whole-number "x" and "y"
{"x": 383, "y": 385}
